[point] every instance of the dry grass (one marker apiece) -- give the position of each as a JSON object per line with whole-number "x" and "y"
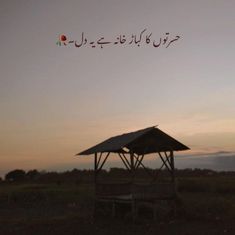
{"x": 207, "y": 204}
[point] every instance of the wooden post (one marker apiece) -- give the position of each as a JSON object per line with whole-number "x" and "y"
{"x": 113, "y": 209}
{"x": 95, "y": 168}
{"x": 134, "y": 210}
{"x": 95, "y": 181}
{"x": 132, "y": 166}
{"x": 172, "y": 166}
{"x": 174, "y": 183}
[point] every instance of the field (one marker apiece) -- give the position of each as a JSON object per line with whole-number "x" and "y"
{"x": 206, "y": 205}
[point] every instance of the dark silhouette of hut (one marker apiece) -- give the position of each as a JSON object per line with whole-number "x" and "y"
{"x": 132, "y": 148}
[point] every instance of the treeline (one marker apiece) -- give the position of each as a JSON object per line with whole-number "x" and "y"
{"x": 86, "y": 176}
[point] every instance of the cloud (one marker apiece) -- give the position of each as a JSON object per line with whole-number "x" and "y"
{"x": 219, "y": 161}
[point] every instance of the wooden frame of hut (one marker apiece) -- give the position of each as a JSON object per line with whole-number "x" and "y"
{"x": 132, "y": 148}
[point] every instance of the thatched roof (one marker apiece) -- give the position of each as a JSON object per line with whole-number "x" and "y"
{"x": 145, "y": 141}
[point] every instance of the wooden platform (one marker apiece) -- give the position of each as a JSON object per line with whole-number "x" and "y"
{"x": 135, "y": 191}
{"x": 135, "y": 194}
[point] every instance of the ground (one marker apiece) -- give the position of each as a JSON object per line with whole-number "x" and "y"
{"x": 205, "y": 206}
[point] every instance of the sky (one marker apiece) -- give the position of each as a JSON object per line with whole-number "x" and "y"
{"x": 56, "y": 101}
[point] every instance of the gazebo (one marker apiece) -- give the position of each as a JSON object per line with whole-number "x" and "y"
{"x": 132, "y": 148}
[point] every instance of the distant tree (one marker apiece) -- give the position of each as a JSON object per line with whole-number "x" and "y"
{"x": 32, "y": 174}
{"x": 15, "y": 175}
{"x": 117, "y": 172}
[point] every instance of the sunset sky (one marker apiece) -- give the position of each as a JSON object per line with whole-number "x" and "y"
{"x": 56, "y": 101}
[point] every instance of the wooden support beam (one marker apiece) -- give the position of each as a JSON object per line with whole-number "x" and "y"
{"x": 128, "y": 163}
{"x": 165, "y": 163}
{"x": 99, "y": 168}
{"x": 136, "y": 161}
{"x": 168, "y": 158}
{"x": 146, "y": 169}
{"x": 139, "y": 161}
{"x": 99, "y": 159}
{"x": 124, "y": 162}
